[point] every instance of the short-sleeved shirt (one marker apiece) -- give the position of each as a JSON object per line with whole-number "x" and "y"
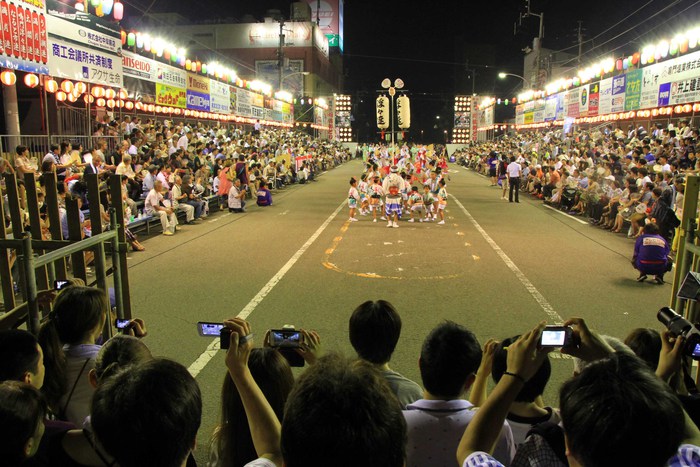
{"x": 406, "y": 391}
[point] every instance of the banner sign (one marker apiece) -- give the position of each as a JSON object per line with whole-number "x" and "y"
{"x": 220, "y": 97}
{"x": 593, "y": 99}
{"x": 633, "y": 89}
{"x": 170, "y": 96}
{"x": 71, "y": 61}
{"x": 23, "y": 41}
{"x": 197, "y": 84}
{"x": 198, "y": 101}
{"x": 618, "y": 93}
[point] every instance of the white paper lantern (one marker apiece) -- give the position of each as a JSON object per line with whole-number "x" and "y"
{"x": 383, "y": 112}
{"x": 403, "y": 112}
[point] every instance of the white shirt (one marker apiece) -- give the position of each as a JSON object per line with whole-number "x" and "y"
{"x": 514, "y": 170}
{"x": 152, "y": 200}
{"x": 182, "y": 142}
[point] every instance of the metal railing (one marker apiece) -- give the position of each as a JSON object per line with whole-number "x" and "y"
{"x": 40, "y": 145}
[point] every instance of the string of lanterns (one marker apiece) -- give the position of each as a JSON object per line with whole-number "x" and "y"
{"x": 102, "y": 8}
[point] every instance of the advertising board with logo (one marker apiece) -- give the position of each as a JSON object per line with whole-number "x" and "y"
{"x": 23, "y": 41}
{"x": 170, "y": 96}
{"x": 198, "y": 101}
{"x": 220, "y": 97}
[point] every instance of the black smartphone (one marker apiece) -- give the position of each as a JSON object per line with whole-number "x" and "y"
{"x": 58, "y": 285}
{"x": 286, "y": 338}
{"x": 556, "y": 336}
{"x": 121, "y": 324}
{"x": 213, "y": 330}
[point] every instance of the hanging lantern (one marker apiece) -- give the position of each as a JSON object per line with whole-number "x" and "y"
{"x": 129, "y": 105}
{"x": 147, "y": 43}
{"x": 67, "y": 86}
{"x": 111, "y": 103}
{"x": 99, "y": 12}
{"x": 130, "y": 38}
{"x": 166, "y": 54}
{"x": 75, "y": 92}
{"x": 199, "y": 66}
{"x": 110, "y": 93}
{"x": 123, "y": 94}
{"x": 79, "y": 6}
{"x": 673, "y": 48}
{"x": 88, "y": 99}
{"x": 151, "y": 108}
{"x": 120, "y": 103}
{"x": 107, "y": 6}
{"x": 683, "y": 46}
{"x": 100, "y": 102}
{"x": 61, "y": 96}
{"x": 618, "y": 64}
{"x": 204, "y": 68}
{"x": 8, "y": 78}
{"x": 635, "y": 58}
{"x": 80, "y": 87}
{"x": 50, "y": 85}
{"x": 139, "y": 40}
{"x": 72, "y": 97}
{"x": 188, "y": 64}
{"x": 123, "y": 34}
{"x": 625, "y": 64}
{"x": 403, "y": 112}
{"x": 159, "y": 109}
{"x": 98, "y": 91}
{"x": 383, "y": 112}
{"x": 139, "y": 106}
{"x": 118, "y": 11}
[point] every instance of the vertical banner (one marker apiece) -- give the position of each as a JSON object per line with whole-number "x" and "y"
{"x": 593, "y": 99}
{"x": 382, "y": 112}
{"x": 618, "y": 93}
{"x": 633, "y": 89}
{"x": 23, "y": 36}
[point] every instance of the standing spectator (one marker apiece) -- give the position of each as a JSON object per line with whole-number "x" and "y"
{"x": 154, "y": 206}
{"x": 374, "y": 331}
{"x": 514, "y": 170}
{"x": 184, "y": 141}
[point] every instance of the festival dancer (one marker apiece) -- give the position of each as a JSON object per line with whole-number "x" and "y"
{"x": 375, "y": 198}
{"x": 392, "y": 190}
{"x": 415, "y": 202}
{"x": 442, "y": 201}
{"x": 353, "y": 199}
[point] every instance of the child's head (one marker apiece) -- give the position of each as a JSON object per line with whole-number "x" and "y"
{"x": 353, "y": 182}
{"x": 376, "y": 179}
{"x": 441, "y": 182}
{"x": 414, "y": 188}
{"x": 426, "y": 187}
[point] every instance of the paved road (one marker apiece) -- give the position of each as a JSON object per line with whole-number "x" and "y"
{"x": 496, "y": 267}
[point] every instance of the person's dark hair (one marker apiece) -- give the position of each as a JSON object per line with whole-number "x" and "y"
{"x": 148, "y": 414}
{"x": 18, "y": 354}
{"x": 119, "y": 352}
{"x": 646, "y": 344}
{"x": 534, "y": 387}
{"x": 77, "y": 311}
{"x": 22, "y": 409}
{"x": 343, "y": 413}
{"x": 232, "y": 438}
{"x": 20, "y": 149}
{"x": 617, "y": 412}
{"x": 450, "y": 354}
{"x": 657, "y": 191}
{"x": 375, "y": 328}
{"x": 651, "y": 229}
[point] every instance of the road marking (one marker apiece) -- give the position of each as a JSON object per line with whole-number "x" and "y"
{"x": 565, "y": 214}
{"x": 211, "y": 350}
{"x": 553, "y": 316}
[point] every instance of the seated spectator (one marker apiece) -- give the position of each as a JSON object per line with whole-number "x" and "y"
{"x": 449, "y": 359}
{"x": 22, "y": 412}
{"x": 21, "y": 358}
{"x": 264, "y": 195}
{"x": 154, "y": 206}
{"x": 236, "y": 197}
{"x": 194, "y": 199}
{"x": 149, "y": 180}
{"x": 164, "y": 429}
{"x": 374, "y": 331}
{"x": 616, "y": 412}
{"x": 232, "y": 443}
{"x": 527, "y": 410}
{"x": 339, "y": 413}
{"x": 651, "y": 254}
{"x": 177, "y": 196}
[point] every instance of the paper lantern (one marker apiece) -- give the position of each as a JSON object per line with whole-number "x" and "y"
{"x": 118, "y": 11}
{"x": 199, "y": 66}
{"x": 625, "y": 64}
{"x": 147, "y": 43}
{"x": 67, "y": 86}
{"x": 31, "y": 80}
{"x": 618, "y": 65}
{"x": 71, "y": 97}
{"x": 101, "y": 102}
{"x": 166, "y": 54}
{"x": 188, "y": 64}
{"x": 130, "y": 38}
{"x": 99, "y": 11}
{"x": 111, "y": 103}
{"x": 123, "y": 94}
{"x": 98, "y": 91}
{"x": 110, "y": 93}
{"x": 107, "y": 6}
{"x": 61, "y": 96}
{"x": 50, "y": 85}
{"x": 75, "y": 92}
{"x": 204, "y": 68}
{"x": 403, "y": 112}
{"x": 129, "y": 105}
{"x": 673, "y": 48}
{"x": 139, "y": 41}
{"x": 123, "y": 34}
{"x": 383, "y": 112}
{"x": 120, "y": 103}
{"x": 88, "y": 99}
{"x": 683, "y": 46}
{"x": 635, "y": 58}
{"x": 151, "y": 108}
{"x": 8, "y": 78}
{"x": 80, "y": 87}
{"x": 139, "y": 106}
{"x": 79, "y": 6}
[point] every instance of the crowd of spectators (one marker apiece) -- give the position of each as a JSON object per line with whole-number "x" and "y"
{"x": 170, "y": 167}
{"x": 74, "y": 398}
{"x": 619, "y": 180}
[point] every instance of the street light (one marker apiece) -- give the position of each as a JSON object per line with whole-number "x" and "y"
{"x": 502, "y": 75}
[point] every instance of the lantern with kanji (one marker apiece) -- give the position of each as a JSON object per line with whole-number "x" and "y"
{"x": 403, "y": 112}
{"x": 382, "y": 112}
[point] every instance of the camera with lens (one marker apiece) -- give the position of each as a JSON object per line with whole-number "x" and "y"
{"x": 681, "y": 327}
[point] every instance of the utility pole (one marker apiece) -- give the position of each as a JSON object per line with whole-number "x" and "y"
{"x": 280, "y": 55}
{"x": 537, "y": 44}
{"x": 580, "y": 41}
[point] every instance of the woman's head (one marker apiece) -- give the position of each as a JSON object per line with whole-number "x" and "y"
{"x": 117, "y": 353}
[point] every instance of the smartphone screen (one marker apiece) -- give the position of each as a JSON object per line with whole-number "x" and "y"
{"x": 121, "y": 323}
{"x": 696, "y": 352}
{"x": 285, "y": 338}
{"x": 555, "y": 336}
{"x": 58, "y": 285}
{"x": 210, "y": 329}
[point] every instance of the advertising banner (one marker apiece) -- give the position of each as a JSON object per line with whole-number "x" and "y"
{"x": 605, "y": 100}
{"x": 593, "y": 99}
{"x": 198, "y": 101}
{"x": 572, "y": 103}
{"x": 618, "y": 93}
{"x": 139, "y": 67}
{"x": 23, "y": 41}
{"x": 83, "y": 46}
{"x": 583, "y": 100}
{"x": 220, "y": 97}
{"x": 197, "y": 84}
{"x": 550, "y": 109}
{"x": 170, "y": 96}
{"x": 633, "y": 89}
{"x": 539, "y": 111}
{"x": 243, "y": 103}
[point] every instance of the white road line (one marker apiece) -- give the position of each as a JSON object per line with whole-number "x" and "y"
{"x": 553, "y": 316}
{"x": 565, "y": 214}
{"x": 211, "y": 350}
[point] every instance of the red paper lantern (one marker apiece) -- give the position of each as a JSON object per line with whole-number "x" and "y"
{"x": 635, "y": 58}
{"x": 31, "y": 80}
{"x": 51, "y": 85}
{"x": 123, "y": 37}
{"x": 8, "y": 78}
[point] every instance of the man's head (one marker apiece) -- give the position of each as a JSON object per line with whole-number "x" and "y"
{"x": 534, "y": 386}
{"x": 617, "y": 412}
{"x": 450, "y": 356}
{"x": 22, "y": 412}
{"x": 148, "y": 414}
{"x": 21, "y": 358}
{"x": 375, "y": 328}
{"x": 342, "y": 413}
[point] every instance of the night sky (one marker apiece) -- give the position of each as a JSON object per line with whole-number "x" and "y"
{"x": 428, "y": 44}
